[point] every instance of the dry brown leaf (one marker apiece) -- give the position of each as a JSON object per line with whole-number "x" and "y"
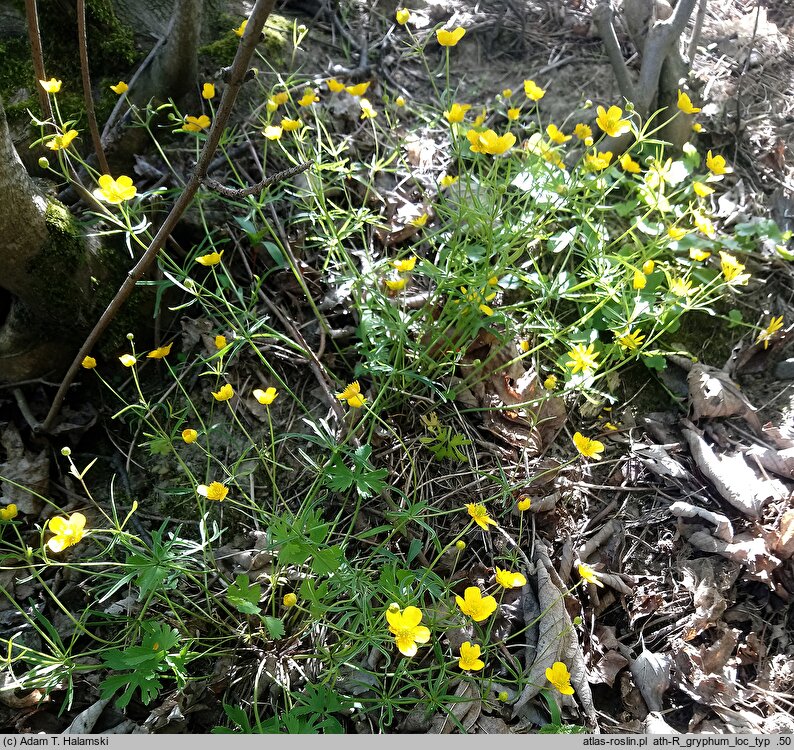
{"x": 723, "y": 528}
{"x": 466, "y": 709}
{"x": 25, "y": 473}
{"x": 84, "y": 722}
{"x": 746, "y": 549}
{"x": 607, "y": 667}
{"x": 781, "y": 462}
{"x": 651, "y": 673}
{"x": 713, "y": 394}
{"x": 784, "y": 546}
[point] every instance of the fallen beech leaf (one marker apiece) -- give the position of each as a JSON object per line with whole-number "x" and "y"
{"x": 607, "y": 667}
{"x": 781, "y": 462}
{"x": 747, "y": 550}
{"x": 713, "y": 394}
{"x": 723, "y": 528}
{"x": 651, "y": 673}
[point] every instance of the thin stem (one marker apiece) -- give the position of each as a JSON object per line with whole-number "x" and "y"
{"x": 34, "y": 34}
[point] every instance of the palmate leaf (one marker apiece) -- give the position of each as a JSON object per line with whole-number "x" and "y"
{"x": 363, "y": 475}
{"x": 147, "y": 682}
{"x": 245, "y": 595}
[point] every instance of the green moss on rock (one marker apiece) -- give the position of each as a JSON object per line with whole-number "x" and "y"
{"x": 277, "y": 36}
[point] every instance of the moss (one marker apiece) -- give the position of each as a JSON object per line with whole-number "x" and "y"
{"x": 277, "y": 32}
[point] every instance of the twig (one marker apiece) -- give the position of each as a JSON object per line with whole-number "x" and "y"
{"x": 259, "y": 187}
{"x": 34, "y": 34}
{"x": 740, "y": 84}
{"x": 88, "y": 99}
{"x": 602, "y": 16}
{"x": 256, "y": 21}
{"x": 695, "y": 38}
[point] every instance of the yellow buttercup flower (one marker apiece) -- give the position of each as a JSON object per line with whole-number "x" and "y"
{"x": 224, "y": 393}
{"x": 352, "y": 394}
{"x": 775, "y": 324}
{"x": 639, "y": 281}
{"x": 475, "y": 605}
{"x": 631, "y": 340}
{"x": 405, "y": 265}
{"x": 68, "y": 531}
{"x": 213, "y": 491}
{"x": 556, "y": 135}
{"x": 677, "y": 233}
{"x": 457, "y": 112}
{"x": 480, "y": 515}
{"x": 450, "y": 38}
{"x": 507, "y": 93}
{"x": 395, "y": 285}
{"x": 685, "y": 104}
{"x": 533, "y": 91}
{"x": 404, "y": 626}
{"x": 550, "y": 383}
{"x": 53, "y": 86}
{"x": 732, "y": 269}
{"x": 9, "y": 513}
{"x": 648, "y": 266}
{"x": 288, "y": 125}
{"x": 196, "y": 124}
{"x": 697, "y": 127}
{"x": 59, "y": 142}
{"x": 160, "y": 352}
{"x": 120, "y": 88}
{"x": 210, "y": 259}
{"x": 449, "y": 180}
{"x": 524, "y": 504}
{"x": 599, "y": 160}
{"x": 115, "y": 191}
{"x": 240, "y": 30}
{"x": 587, "y": 447}
{"x": 681, "y": 287}
{"x": 611, "y": 122}
{"x": 488, "y": 142}
{"x": 559, "y": 676}
{"x": 704, "y": 224}
{"x": 309, "y": 97}
{"x": 368, "y": 112}
{"x": 282, "y": 97}
{"x": 509, "y": 580}
{"x": 127, "y": 360}
{"x": 208, "y": 91}
{"x": 582, "y": 358}
{"x": 89, "y": 363}
{"x": 701, "y": 189}
{"x": 586, "y": 573}
{"x": 272, "y": 132}
{"x": 419, "y": 221}
{"x": 583, "y": 132}
{"x": 629, "y": 165}
{"x": 189, "y": 435}
{"x": 220, "y": 341}
{"x": 470, "y": 657}
{"x": 335, "y": 86}
{"x": 358, "y": 89}
{"x": 513, "y": 113}
{"x": 267, "y": 396}
{"x": 289, "y": 600}
{"x": 403, "y": 15}
{"x": 716, "y": 164}
{"x": 400, "y": 101}
{"x": 699, "y": 255}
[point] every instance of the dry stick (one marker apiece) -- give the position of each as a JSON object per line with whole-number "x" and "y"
{"x": 695, "y": 38}
{"x": 37, "y": 55}
{"x": 602, "y": 16}
{"x": 256, "y": 21}
{"x": 82, "y": 45}
{"x": 259, "y": 187}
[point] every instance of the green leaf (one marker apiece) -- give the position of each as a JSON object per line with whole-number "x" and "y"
{"x": 147, "y": 682}
{"x": 275, "y": 627}
{"x": 245, "y": 595}
{"x": 327, "y": 560}
{"x": 294, "y": 553}
{"x": 735, "y": 317}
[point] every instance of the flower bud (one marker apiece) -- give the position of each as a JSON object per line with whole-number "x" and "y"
{"x": 44, "y": 162}
{"x": 66, "y": 451}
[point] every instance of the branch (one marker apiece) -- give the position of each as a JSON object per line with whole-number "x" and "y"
{"x": 34, "y": 34}
{"x": 82, "y": 45}
{"x": 236, "y": 194}
{"x": 256, "y": 22}
{"x": 602, "y": 16}
{"x": 693, "y": 42}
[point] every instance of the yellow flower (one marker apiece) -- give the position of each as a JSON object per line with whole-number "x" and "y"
{"x": 598, "y": 161}
{"x": 648, "y": 266}
{"x": 208, "y": 91}
{"x": 309, "y": 97}
{"x": 631, "y": 340}
{"x": 587, "y": 447}
{"x": 629, "y": 165}
{"x": 210, "y": 259}
{"x": 403, "y": 15}
{"x": 220, "y": 341}
{"x": 395, "y": 285}
{"x": 282, "y": 97}
{"x": 9, "y": 513}
{"x": 115, "y": 191}
{"x": 470, "y": 657}
{"x": 127, "y": 360}
{"x": 513, "y": 113}
{"x": 695, "y": 253}
{"x": 639, "y": 281}
{"x": 334, "y": 86}
{"x": 189, "y": 435}
{"x": 610, "y": 426}
{"x": 53, "y": 86}
{"x": 697, "y": 127}
{"x": 266, "y": 397}
{"x": 457, "y": 112}
{"x": 704, "y": 224}
{"x": 507, "y": 93}
{"x": 475, "y": 605}
{"x": 556, "y": 135}
{"x": 406, "y": 629}
{"x": 701, "y": 189}
{"x": 685, "y": 104}
{"x": 272, "y": 132}
{"x": 480, "y": 119}
{"x": 677, "y": 233}
{"x": 400, "y": 101}
{"x": 609, "y": 120}
{"x": 559, "y": 676}
{"x": 213, "y": 491}
{"x": 68, "y": 531}
{"x": 405, "y": 265}
{"x": 480, "y": 516}
{"x": 89, "y": 363}
{"x": 448, "y": 180}
{"x": 289, "y": 125}
{"x": 62, "y": 141}
{"x": 582, "y": 358}
{"x": 240, "y": 30}
{"x": 450, "y": 38}
{"x": 681, "y": 287}
{"x": 523, "y": 345}
{"x": 732, "y": 269}
{"x": 524, "y": 504}
{"x": 485, "y": 310}
{"x": 367, "y": 110}
{"x": 160, "y": 352}
{"x": 775, "y": 324}
{"x": 196, "y": 124}
{"x": 488, "y": 142}
{"x": 120, "y": 88}
{"x": 289, "y": 600}
{"x": 550, "y": 383}
{"x": 509, "y": 580}
{"x": 582, "y": 131}
{"x": 716, "y": 164}
{"x": 225, "y": 393}
{"x": 586, "y": 573}
{"x": 533, "y": 91}
{"x": 358, "y": 89}
{"x": 419, "y": 221}
{"x": 352, "y": 394}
